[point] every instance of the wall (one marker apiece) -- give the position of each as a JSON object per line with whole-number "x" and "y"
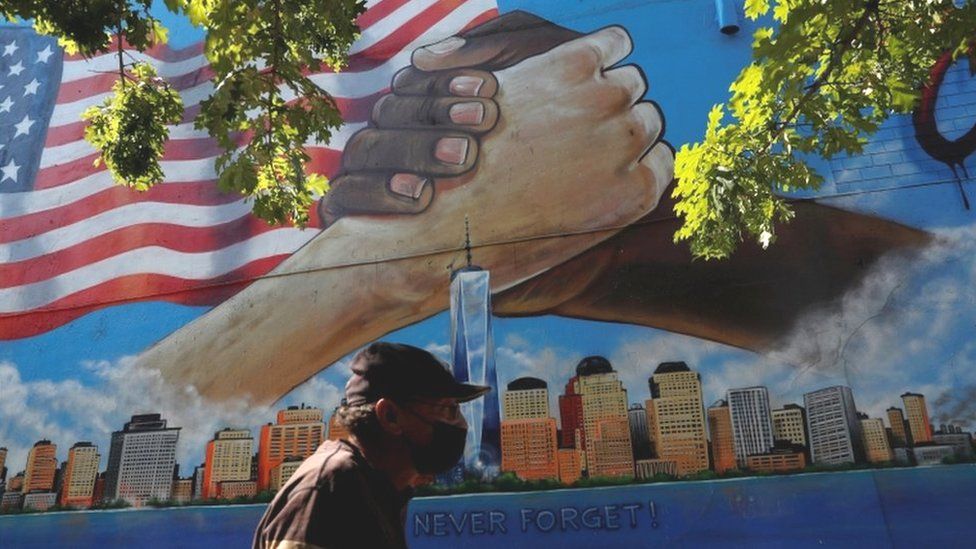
{"x": 176, "y": 301}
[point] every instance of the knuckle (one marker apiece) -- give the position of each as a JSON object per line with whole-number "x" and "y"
{"x": 401, "y": 79}
{"x": 647, "y": 119}
{"x": 618, "y": 34}
{"x": 659, "y": 162}
{"x": 591, "y": 56}
{"x": 361, "y": 148}
{"x": 364, "y": 139}
{"x": 380, "y": 108}
{"x": 617, "y": 40}
{"x": 632, "y": 78}
{"x": 619, "y": 98}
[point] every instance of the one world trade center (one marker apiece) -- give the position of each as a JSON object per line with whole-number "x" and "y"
{"x": 473, "y": 358}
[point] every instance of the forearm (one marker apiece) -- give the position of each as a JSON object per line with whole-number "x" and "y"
{"x": 350, "y": 285}
{"x": 749, "y": 300}
{"x": 303, "y": 316}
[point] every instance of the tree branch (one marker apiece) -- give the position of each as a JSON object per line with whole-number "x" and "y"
{"x": 871, "y": 7}
{"x": 118, "y": 37}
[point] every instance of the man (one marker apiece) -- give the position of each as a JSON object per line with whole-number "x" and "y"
{"x": 402, "y": 412}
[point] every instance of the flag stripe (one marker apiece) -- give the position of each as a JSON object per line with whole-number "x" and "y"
{"x": 178, "y": 150}
{"x": 52, "y": 203}
{"x": 178, "y": 237}
{"x": 88, "y": 79}
{"x": 204, "y": 192}
{"x": 355, "y": 110}
{"x": 134, "y": 288}
{"x": 165, "y": 52}
{"x": 129, "y": 215}
{"x": 78, "y": 241}
{"x": 157, "y": 260}
{"x": 352, "y": 109}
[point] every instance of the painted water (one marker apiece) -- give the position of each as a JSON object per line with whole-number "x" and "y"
{"x": 919, "y": 507}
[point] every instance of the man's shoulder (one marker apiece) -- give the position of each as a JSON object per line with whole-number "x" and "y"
{"x": 313, "y": 507}
{"x": 332, "y": 459}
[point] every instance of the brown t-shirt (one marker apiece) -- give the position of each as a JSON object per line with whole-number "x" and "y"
{"x": 334, "y": 500}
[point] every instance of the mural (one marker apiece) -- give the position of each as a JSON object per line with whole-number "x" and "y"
{"x": 501, "y": 196}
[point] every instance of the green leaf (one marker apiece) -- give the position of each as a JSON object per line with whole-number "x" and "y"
{"x": 756, "y": 8}
{"x": 129, "y": 128}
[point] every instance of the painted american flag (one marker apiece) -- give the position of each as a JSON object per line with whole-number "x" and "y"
{"x": 72, "y": 241}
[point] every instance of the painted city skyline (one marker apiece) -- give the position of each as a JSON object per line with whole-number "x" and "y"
{"x": 607, "y": 440}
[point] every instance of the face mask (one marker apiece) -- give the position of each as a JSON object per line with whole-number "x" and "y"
{"x": 444, "y": 450}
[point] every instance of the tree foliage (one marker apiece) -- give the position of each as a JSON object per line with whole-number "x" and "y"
{"x": 129, "y": 127}
{"x": 824, "y": 75}
{"x": 263, "y": 109}
{"x": 822, "y": 79}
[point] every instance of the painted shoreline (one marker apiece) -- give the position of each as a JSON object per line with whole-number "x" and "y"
{"x": 657, "y": 485}
{"x": 907, "y": 508}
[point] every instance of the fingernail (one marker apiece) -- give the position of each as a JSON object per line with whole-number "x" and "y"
{"x": 467, "y": 114}
{"x": 466, "y": 86}
{"x": 452, "y": 150}
{"x": 408, "y": 184}
{"x": 445, "y": 46}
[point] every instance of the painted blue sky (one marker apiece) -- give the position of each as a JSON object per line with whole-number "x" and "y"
{"x": 910, "y": 326}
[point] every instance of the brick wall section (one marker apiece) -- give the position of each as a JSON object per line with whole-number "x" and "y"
{"x": 893, "y": 158}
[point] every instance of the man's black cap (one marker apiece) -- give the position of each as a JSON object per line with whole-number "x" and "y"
{"x": 398, "y": 371}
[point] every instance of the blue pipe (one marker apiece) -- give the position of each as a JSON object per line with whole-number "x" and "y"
{"x": 725, "y": 14}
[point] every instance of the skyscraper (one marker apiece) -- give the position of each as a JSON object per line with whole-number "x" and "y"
{"x": 679, "y": 414}
{"x": 141, "y": 460}
{"x": 900, "y": 434}
{"x": 833, "y": 426}
{"x": 651, "y": 426}
{"x": 529, "y": 445}
{"x": 606, "y": 429}
{"x": 182, "y": 490}
{"x": 98, "y": 492}
{"x": 752, "y": 422}
{"x": 283, "y": 471}
{"x": 570, "y": 465}
{"x": 78, "y": 486}
{"x": 16, "y": 483}
{"x": 297, "y": 433}
{"x": 723, "y": 441}
{"x": 530, "y": 448}
{"x": 610, "y": 450}
{"x": 198, "y": 481}
{"x": 640, "y": 441}
{"x": 228, "y": 458}
{"x": 526, "y": 398}
{"x": 571, "y": 417}
{"x": 42, "y": 464}
{"x": 876, "y": 448}
{"x": 789, "y": 423}
{"x": 918, "y": 417}
{"x": 59, "y": 475}
{"x": 473, "y": 353}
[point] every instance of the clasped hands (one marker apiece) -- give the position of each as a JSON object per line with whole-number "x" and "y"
{"x": 528, "y": 128}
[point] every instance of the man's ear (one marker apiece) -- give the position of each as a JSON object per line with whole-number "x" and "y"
{"x": 388, "y": 414}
